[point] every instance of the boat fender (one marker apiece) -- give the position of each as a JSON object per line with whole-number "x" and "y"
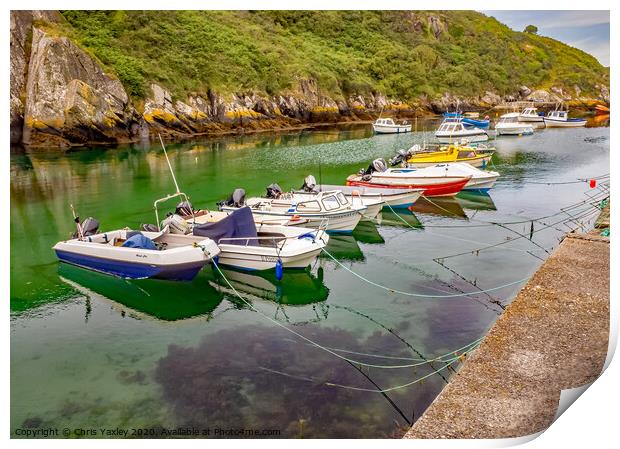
{"x": 279, "y": 269}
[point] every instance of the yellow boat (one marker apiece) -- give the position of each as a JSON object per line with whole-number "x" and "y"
{"x": 478, "y": 157}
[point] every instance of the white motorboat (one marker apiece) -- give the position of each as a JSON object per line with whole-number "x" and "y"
{"x": 430, "y": 181}
{"x": 453, "y": 129}
{"x": 330, "y": 211}
{"x": 388, "y": 126}
{"x": 139, "y": 254}
{"x": 559, "y": 119}
{"x": 509, "y": 125}
{"x": 247, "y": 246}
{"x": 373, "y": 204}
{"x": 395, "y": 198}
{"x": 479, "y": 180}
{"x": 532, "y": 117}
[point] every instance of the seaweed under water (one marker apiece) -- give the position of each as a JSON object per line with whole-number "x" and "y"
{"x": 262, "y": 378}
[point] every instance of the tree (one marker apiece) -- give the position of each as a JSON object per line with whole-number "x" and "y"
{"x": 532, "y": 29}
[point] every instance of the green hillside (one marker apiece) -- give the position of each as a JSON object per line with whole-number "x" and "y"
{"x": 394, "y": 52}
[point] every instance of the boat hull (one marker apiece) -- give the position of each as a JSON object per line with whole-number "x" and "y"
{"x": 445, "y": 188}
{"x": 340, "y": 222}
{"x": 522, "y": 130}
{"x": 395, "y": 129}
{"x": 182, "y": 260}
{"x": 395, "y": 198}
{"x": 130, "y": 270}
{"x": 261, "y": 262}
{"x": 471, "y": 137}
{"x": 550, "y": 123}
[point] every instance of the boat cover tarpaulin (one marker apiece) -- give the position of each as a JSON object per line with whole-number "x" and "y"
{"x": 238, "y": 225}
{"x": 139, "y": 241}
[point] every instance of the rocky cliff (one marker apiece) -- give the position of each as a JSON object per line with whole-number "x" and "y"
{"x": 61, "y": 96}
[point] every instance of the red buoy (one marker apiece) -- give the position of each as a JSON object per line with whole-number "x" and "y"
{"x": 592, "y": 183}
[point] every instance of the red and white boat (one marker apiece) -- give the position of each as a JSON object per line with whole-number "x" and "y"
{"x": 430, "y": 180}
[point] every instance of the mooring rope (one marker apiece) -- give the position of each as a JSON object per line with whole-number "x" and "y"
{"x": 439, "y": 358}
{"x": 369, "y": 390}
{"x": 308, "y": 340}
{"x": 418, "y": 295}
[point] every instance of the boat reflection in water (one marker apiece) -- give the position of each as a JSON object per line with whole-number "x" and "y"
{"x": 160, "y": 299}
{"x": 402, "y": 218}
{"x": 475, "y": 201}
{"x": 296, "y": 288}
{"x": 346, "y": 247}
{"x": 444, "y": 206}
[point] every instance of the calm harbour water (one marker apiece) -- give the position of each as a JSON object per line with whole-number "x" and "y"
{"x": 91, "y": 351}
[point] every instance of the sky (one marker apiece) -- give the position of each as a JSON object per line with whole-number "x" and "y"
{"x": 586, "y": 30}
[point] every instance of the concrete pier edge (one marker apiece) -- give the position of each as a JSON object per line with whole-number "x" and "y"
{"x": 554, "y": 336}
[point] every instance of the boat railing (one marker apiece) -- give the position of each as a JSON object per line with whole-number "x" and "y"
{"x": 166, "y": 198}
{"x": 278, "y": 242}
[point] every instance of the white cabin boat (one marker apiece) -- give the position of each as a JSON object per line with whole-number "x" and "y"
{"x": 330, "y": 211}
{"x": 395, "y": 198}
{"x": 509, "y": 125}
{"x": 388, "y": 126}
{"x": 531, "y": 116}
{"x": 559, "y": 119}
{"x": 453, "y": 129}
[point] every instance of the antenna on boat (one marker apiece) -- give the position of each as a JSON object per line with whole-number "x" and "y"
{"x": 77, "y": 222}
{"x": 169, "y": 165}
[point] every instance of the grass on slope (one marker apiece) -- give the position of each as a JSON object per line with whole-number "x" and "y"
{"x": 347, "y": 52}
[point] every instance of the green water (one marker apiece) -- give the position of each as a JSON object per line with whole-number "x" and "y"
{"x": 88, "y": 350}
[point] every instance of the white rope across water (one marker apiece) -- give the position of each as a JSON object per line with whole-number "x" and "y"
{"x": 311, "y": 342}
{"x": 418, "y": 295}
{"x": 369, "y": 390}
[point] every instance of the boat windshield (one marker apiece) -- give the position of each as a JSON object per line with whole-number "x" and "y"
{"x": 330, "y": 202}
{"x": 309, "y": 206}
{"x": 343, "y": 199}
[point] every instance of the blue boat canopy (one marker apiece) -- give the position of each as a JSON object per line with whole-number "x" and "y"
{"x": 139, "y": 241}
{"x": 238, "y": 225}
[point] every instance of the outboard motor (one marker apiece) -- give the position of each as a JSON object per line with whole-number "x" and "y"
{"x": 176, "y": 223}
{"x": 90, "y": 226}
{"x": 378, "y": 165}
{"x": 309, "y": 184}
{"x": 274, "y": 191}
{"x": 400, "y": 157}
{"x": 236, "y": 199}
{"x": 184, "y": 209}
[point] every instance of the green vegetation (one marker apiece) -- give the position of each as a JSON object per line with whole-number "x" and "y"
{"x": 532, "y": 29}
{"x": 398, "y": 53}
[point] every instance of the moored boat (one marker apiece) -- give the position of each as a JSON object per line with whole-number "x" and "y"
{"x": 395, "y": 198}
{"x": 560, "y": 119}
{"x": 419, "y": 157}
{"x": 431, "y": 182}
{"x": 453, "y": 129}
{"x": 388, "y": 126}
{"x": 509, "y": 125}
{"x": 373, "y": 199}
{"x": 470, "y": 119}
{"x": 330, "y": 211}
{"x": 533, "y": 117}
{"x": 139, "y": 254}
